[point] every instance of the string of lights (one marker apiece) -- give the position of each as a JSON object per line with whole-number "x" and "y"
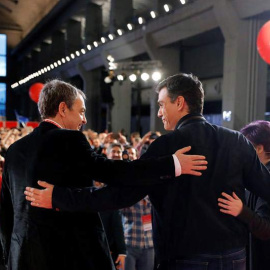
{"x": 96, "y": 44}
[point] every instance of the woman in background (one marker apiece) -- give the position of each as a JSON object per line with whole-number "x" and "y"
{"x": 256, "y": 212}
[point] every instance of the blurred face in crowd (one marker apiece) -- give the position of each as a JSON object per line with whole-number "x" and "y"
{"x": 168, "y": 110}
{"x": 132, "y": 153}
{"x": 102, "y": 137}
{"x": 96, "y": 143}
{"x": 75, "y": 117}
{"x": 115, "y": 153}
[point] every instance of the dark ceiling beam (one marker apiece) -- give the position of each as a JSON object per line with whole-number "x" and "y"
{"x": 50, "y": 23}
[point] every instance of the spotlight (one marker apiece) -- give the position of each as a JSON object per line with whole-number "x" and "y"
{"x": 112, "y": 66}
{"x": 130, "y": 26}
{"x": 59, "y": 62}
{"x": 67, "y": 58}
{"x": 52, "y": 66}
{"x": 95, "y": 44}
{"x": 45, "y": 69}
{"x": 83, "y": 51}
{"x": 107, "y": 79}
{"x": 156, "y": 76}
{"x": 120, "y": 32}
{"x": 72, "y": 56}
{"x": 120, "y": 77}
{"x": 110, "y": 58}
{"x": 55, "y": 64}
{"x": 141, "y": 20}
{"x": 63, "y": 60}
{"x": 89, "y": 47}
{"x": 183, "y": 2}
{"x": 111, "y": 36}
{"x": 167, "y": 7}
{"x": 132, "y": 77}
{"x": 153, "y": 14}
{"x": 48, "y": 68}
{"x": 145, "y": 76}
{"x": 77, "y": 53}
{"x": 103, "y": 39}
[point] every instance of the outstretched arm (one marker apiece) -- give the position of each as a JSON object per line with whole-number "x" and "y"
{"x": 87, "y": 199}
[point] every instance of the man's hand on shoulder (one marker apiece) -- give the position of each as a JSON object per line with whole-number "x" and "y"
{"x": 40, "y": 197}
{"x": 191, "y": 164}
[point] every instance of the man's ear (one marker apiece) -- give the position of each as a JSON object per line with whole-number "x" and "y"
{"x": 259, "y": 148}
{"x": 62, "y": 109}
{"x": 180, "y": 101}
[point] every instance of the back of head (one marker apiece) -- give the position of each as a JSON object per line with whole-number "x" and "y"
{"x": 187, "y": 86}
{"x": 53, "y": 93}
{"x": 258, "y": 133}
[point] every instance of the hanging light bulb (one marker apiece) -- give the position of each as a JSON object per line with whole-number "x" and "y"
{"x": 111, "y": 36}
{"x": 132, "y": 77}
{"x": 130, "y": 26}
{"x": 167, "y": 7}
{"x": 141, "y": 20}
{"x": 120, "y": 77}
{"x": 145, "y": 76}
{"x": 156, "y": 76}
{"x": 153, "y": 14}
{"x": 120, "y": 32}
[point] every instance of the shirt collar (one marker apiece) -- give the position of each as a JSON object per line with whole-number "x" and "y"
{"x": 188, "y": 118}
{"x": 52, "y": 122}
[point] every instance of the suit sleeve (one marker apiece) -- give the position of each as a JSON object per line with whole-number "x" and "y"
{"x": 6, "y": 216}
{"x": 118, "y": 233}
{"x": 258, "y": 221}
{"x": 96, "y": 200}
{"x": 154, "y": 170}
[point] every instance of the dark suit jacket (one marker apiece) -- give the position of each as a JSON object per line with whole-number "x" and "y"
{"x": 112, "y": 222}
{"x": 257, "y": 216}
{"x": 41, "y": 239}
{"x": 186, "y": 216}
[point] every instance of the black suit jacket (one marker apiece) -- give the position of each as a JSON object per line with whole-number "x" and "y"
{"x": 112, "y": 222}
{"x": 186, "y": 216}
{"x": 40, "y": 239}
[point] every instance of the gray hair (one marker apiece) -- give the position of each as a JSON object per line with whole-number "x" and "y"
{"x": 53, "y": 93}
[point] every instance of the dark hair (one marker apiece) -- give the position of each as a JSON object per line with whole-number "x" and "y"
{"x": 186, "y": 85}
{"x": 258, "y": 132}
{"x": 126, "y": 147}
{"x": 153, "y": 136}
{"x": 112, "y": 145}
{"x": 53, "y": 93}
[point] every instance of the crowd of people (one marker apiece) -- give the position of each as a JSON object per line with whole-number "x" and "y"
{"x": 7, "y": 137}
